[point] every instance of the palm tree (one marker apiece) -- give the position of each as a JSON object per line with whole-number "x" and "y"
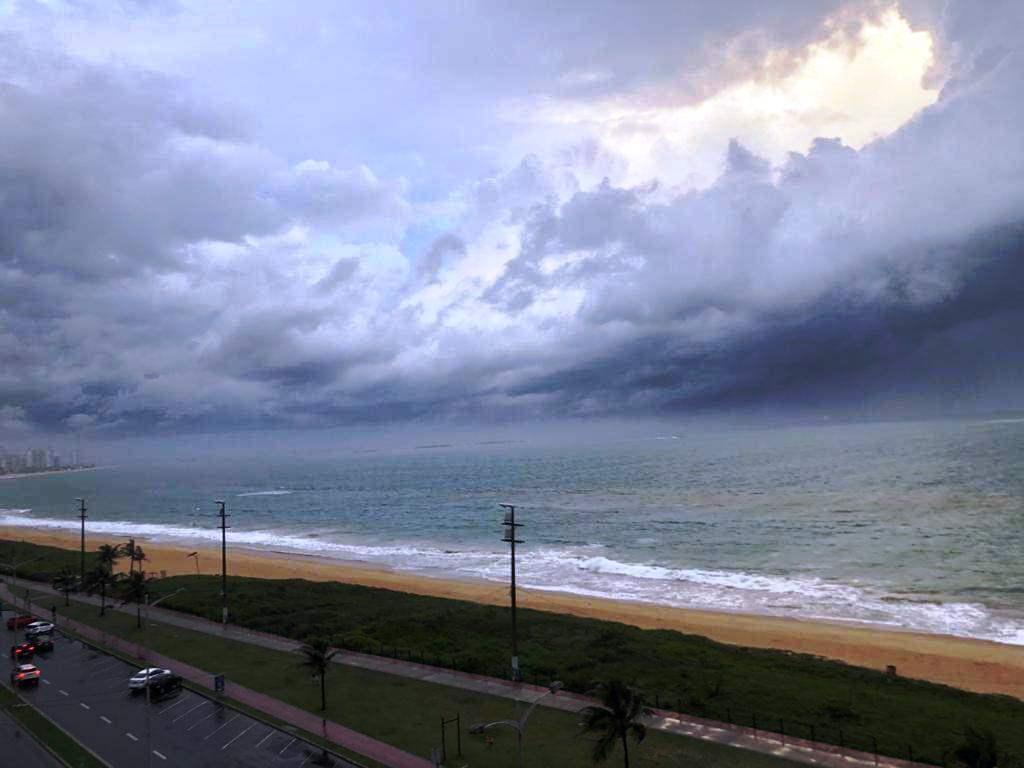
{"x": 101, "y": 577}
{"x": 65, "y": 582}
{"x": 317, "y": 655}
{"x": 134, "y": 589}
{"x": 134, "y": 554}
{"x": 619, "y": 715}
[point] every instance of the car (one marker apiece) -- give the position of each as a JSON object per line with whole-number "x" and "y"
{"x": 17, "y": 622}
{"x": 165, "y": 686}
{"x": 23, "y": 651}
{"x": 152, "y": 675}
{"x": 38, "y": 628}
{"x": 43, "y": 644}
{"x": 25, "y": 674}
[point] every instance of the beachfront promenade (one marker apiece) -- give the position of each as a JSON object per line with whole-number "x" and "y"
{"x": 800, "y": 750}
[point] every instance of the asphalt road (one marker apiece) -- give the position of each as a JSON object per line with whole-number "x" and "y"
{"x": 86, "y": 693}
{"x": 19, "y": 748}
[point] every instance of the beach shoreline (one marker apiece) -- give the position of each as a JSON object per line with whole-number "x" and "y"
{"x": 20, "y": 475}
{"x": 978, "y": 665}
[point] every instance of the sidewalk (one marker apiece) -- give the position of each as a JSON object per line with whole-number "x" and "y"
{"x": 300, "y": 718}
{"x": 766, "y": 742}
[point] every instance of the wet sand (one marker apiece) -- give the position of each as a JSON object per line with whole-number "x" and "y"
{"x": 976, "y": 665}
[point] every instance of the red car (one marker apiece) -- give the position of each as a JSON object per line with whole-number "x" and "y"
{"x": 25, "y": 674}
{"x": 23, "y": 651}
{"x": 18, "y": 622}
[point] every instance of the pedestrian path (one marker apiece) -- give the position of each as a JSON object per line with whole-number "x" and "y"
{"x": 742, "y": 737}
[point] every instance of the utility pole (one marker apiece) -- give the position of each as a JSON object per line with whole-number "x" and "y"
{"x": 510, "y": 537}
{"x": 81, "y": 512}
{"x": 223, "y": 562}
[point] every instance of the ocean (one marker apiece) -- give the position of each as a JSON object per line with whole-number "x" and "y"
{"x": 916, "y": 525}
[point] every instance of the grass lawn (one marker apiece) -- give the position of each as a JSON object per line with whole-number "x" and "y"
{"x": 405, "y": 712}
{"x": 804, "y": 695}
{"x": 61, "y": 743}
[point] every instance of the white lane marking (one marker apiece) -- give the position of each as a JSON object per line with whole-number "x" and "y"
{"x": 63, "y": 692}
{"x": 182, "y": 700}
{"x": 202, "y": 719}
{"x": 162, "y": 757}
{"x": 238, "y": 737}
{"x": 105, "y": 719}
{"x": 185, "y": 714}
{"x": 131, "y": 735}
{"x": 286, "y": 747}
{"x": 269, "y": 734}
{"x": 46, "y": 682}
{"x": 83, "y": 705}
{"x": 222, "y": 726}
{"x": 306, "y": 760}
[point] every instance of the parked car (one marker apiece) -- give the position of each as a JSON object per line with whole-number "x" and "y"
{"x": 25, "y": 674}
{"x": 23, "y": 651}
{"x": 152, "y": 675}
{"x": 167, "y": 685}
{"x": 38, "y": 628}
{"x": 17, "y": 622}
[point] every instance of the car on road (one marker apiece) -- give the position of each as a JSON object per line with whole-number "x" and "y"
{"x": 17, "y": 622}
{"x": 43, "y": 643}
{"x": 23, "y": 651}
{"x": 151, "y": 675}
{"x": 25, "y": 674}
{"x": 165, "y": 686}
{"x": 37, "y": 628}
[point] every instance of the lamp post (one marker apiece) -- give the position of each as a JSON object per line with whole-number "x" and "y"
{"x": 81, "y": 566}
{"x": 196, "y": 556}
{"x": 510, "y": 537}
{"x": 223, "y": 562}
{"x": 519, "y": 725}
{"x": 149, "y": 674}
{"x": 14, "y": 566}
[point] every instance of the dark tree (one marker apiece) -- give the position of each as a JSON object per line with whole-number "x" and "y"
{"x": 619, "y": 716}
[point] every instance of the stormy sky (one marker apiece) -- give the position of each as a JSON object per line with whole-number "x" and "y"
{"x": 221, "y": 216}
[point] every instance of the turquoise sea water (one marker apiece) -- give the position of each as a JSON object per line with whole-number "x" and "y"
{"x": 917, "y": 525}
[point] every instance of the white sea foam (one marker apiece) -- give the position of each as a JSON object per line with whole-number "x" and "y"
{"x": 265, "y": 493}
{"x": 4, "y": 511}
{"x": 587, "y": 571}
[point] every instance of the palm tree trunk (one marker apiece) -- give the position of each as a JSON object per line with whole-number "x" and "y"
{"x": 323, "y": 690}
{"x": 138, "y": 615}
{"x": 103, "y": 598}
{"x": 67, "y": 599}
{"x": 625, "y": 751}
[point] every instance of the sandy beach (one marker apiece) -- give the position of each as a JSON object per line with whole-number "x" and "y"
{"x": 977, "y": 665}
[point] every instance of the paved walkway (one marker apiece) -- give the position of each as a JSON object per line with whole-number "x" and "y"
{"x": 767, "y": 742}
{"x": 300, "y": 718}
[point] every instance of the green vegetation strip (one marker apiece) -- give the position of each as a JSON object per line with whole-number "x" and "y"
{"x": 59, "y": 742}
{"x": 802, "y": 695}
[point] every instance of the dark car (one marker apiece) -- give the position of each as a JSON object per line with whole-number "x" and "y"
{"x": 164, "y": 687}
{"x": 23, "y": 651}
{"x": 25, "y": 674}
{"x": 43, "y": 643}
{"x": 17, "y": 622}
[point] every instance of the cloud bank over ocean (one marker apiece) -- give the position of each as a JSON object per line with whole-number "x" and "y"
{"x": 396, "y": 230}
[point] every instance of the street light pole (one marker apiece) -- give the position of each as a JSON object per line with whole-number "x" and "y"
{"x": 519, "y": 724}
{"x": 81, "y": 566}
{"x": 223, "y": 562}
{"x": 149, "y": 675}
{"x": 510, "y": 537}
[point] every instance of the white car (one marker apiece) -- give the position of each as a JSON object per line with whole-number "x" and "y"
{"x": 151, "y": 675}
{"x": 38, "y": 628}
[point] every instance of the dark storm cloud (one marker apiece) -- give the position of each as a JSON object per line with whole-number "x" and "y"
{"x": 161, "y": 269}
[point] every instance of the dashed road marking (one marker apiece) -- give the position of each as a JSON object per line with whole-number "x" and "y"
{"x": 131, "y": 736}
{"x": 105, "y": 719}
{"x": 185, "y": 714}
{"x": 222, "y": 727}
{"x": 253, "y": 725}
{"x": 83, "y": 705}
{"x": 269, "y": 734}
{"x": 162, "y": 757}
{"x": 62, "y": 692}
{"x": 46, "y": 682}
{"x": 286, "y": 747}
